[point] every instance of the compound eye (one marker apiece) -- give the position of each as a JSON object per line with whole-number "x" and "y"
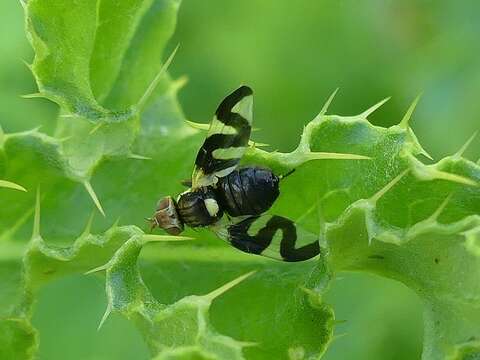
{"x": 173, "y": 230}
{"x": 164, "y": 203}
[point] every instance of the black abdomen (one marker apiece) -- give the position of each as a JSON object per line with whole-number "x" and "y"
{"x": 247, "y": 191}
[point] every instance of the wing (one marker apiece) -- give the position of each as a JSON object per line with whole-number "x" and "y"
{"x": 227, "y": 138}
{"x": 275, "y": 237}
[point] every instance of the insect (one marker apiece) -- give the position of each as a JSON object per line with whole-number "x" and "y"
{"x": 232, "y": 201}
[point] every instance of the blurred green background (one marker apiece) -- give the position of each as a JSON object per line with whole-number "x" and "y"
{"x": 294, "y": 54}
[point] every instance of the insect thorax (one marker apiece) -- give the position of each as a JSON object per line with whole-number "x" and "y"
{"x": 247, "y": 191}
{"x": 199, "y": 207}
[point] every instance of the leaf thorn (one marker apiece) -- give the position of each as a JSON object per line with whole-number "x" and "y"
{"x": 12, "y": 185}
{"x": 167, "y": 238}
{"x": 248, "y": 343}
{"x": 338, "y": 336}
{"x": 199, "y": 126}
{"x": 107, "y": 313}
{"x": 138, "y": 157}
{"x": 36, "y": 216}
{"x": 98, "y": 269}
{"x": 116, "y": 223}
{"x": 32, "y": 96}
{"x": 94, "y": 197}
{"x": 151, "y": 88}
{"x": 95, "y": 128}
{"x": 375, "y": 107}
{"x": 387, "y": 187}
{"x": 224, "y": 288}
{"x": 88, "y": 226}
{"x": 27, "y": 64}
{"x": 35, "y": 129}
{"x": 179, "y": 83}
{"x": 465, "y": 146}
{"x": 66, "y": 138}
{"x": 327, "y": 103}
{"x": 406, "y": 118}
{"x": 255, "y": 144}
{"x": 440, "y": 209}
{"x": 339, "y": 156}
{"x": 443, "y": 175}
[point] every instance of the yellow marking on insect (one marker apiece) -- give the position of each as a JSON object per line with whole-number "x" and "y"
{"x": 245, "y": 108}
{"x": 206, "y": 127}
{"x": 212, "y": 207}
{"x": 228, "y": 153}
{"x": 199, "y": 179}
{"x": 217, "y": 127}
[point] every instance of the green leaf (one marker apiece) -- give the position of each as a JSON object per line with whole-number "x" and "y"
{"x": 185, "y": 325}
{"x": 411, "y": 222}
{"x": 82, "y": 164}
{"x": 18, "y": 339}
{"x": 364, "y": 189}
{"x": 106, "y": 58}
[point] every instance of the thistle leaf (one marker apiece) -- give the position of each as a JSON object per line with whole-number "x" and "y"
{"x": 374, "y": 204}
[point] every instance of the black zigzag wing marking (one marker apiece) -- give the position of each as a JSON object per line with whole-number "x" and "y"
{"x": 266, "y": 243}
{"x": 227, "y": 138}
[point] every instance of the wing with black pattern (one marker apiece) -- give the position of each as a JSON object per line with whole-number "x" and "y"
{"x": 274, "y": 236}
{"x": 227, "y": 138}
